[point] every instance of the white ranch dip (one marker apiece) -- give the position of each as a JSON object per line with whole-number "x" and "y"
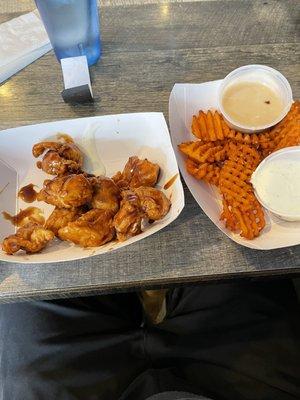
{"x": 277, "y": 183}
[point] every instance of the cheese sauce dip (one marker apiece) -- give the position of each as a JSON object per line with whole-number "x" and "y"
{"x": 252, "y": 103}
{"x": 254, "y": 98}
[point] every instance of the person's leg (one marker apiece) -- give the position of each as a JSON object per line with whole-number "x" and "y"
{"x": 234, "y": 341}
{"x": 89, "y": 348}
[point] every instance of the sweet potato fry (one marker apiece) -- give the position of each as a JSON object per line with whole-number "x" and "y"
{"x": 234, "y": 185}
{"x": 209, "y": 173}
{"x": 248, "y": 224}
{"x": 244, "y": 138}
{"x": 209, "y": 126}
{"x": 227, "y": 159}
{"x": 243, "y": 154}
{"x": 284, "y": 134}
{"x": 204, "y": 152}
{"x": 228, "y": 217}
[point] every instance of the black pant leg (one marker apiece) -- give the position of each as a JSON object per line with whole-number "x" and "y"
{"x": 89, "y": 348}
{"x": 234, "y": 341}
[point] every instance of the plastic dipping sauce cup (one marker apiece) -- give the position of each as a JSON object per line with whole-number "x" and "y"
{"x": 72, "y": 27}
{"x": 254, "y": 97}
{"x": 276, "y": 183}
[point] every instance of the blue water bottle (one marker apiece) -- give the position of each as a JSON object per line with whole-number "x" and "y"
{"x": 72, "y": 27}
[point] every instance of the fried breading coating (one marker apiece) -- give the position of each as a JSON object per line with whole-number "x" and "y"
{"x": 26, "y": 216}
{"x": 60, "y": 217}
{"x": 31, "y": 238}
{"x": 153, "y": 202}
{"x": 128, "y": 220}
{"x": 92, "y": 229}
{"x": 106, "y": 194}
{"x": 137, "y": 173}
{"x": 62, "y": 156}
{"x": 66, "y": 191}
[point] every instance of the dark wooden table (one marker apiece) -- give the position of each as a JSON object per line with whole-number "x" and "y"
{"x": 146, "y": 49}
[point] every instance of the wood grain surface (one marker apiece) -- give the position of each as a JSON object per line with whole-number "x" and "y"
{"x": 28, "y": 5}
{"x": 146, "y": 49}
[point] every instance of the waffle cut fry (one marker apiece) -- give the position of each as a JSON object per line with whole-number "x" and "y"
{"x": 204, "y": 152}
{"x": 290, "y": 132}
{"x": 235, "y": 175}
{"x": 228, "y": 217}
{"x": 243, "y": 154}
{"x": 244, "y": 138}
{"x": 226, "y": 158}
{"x": 235, "y": 186}
{"x": 248, "y": 224}
{"x": 209, "y": 126}
{"x": 209, "y": 173}
{"x": 284, "y": 134}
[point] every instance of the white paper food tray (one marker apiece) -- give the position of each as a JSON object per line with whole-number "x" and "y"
{"x": 117, "y": 137}
{"x": 185, "y": 101}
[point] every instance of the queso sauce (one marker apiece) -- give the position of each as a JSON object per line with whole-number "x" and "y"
{"x": 252, "y": 104}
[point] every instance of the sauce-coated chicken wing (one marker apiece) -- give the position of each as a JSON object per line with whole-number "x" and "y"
{"x": 66, "y": 191}
{"x": 106, "y": 194}
{"x": 60, "y": 217}
{"x": 62, "y": 157}
{"x": 24, "y": 217}
{"x": 128, "y": 220}
{"x": 31, "y": 238}
{"x": 92, "y": 229}
{"x": 136, "y": 205}
{"x": 154, "y": 202}
{"x": 137, "y": 173}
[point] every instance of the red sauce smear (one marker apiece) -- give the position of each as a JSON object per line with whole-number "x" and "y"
{"x": 30, "y": 214}
{"x": 27, "y": 193}
{"x": 170, "y": 182}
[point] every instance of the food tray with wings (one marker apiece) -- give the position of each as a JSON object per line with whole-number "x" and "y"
{"x": 101, "y": 184}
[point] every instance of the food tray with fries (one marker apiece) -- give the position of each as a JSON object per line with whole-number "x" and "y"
{"x": 217, "y": 162}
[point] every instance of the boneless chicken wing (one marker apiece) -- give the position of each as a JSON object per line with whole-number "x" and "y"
{"x": 60, "y": 217}
{"x": 137, "y": 173}
{"x": 106, "y": 194}
{"x": 66, "y": 191}
{"x": 31, "y": 238}
{"x": 92, "y": 229}
{"x": 136, "y": 205}
{"x": 62, "y": 157}
{"x": 25, "y": 217}
{"x": 128, "y": 220}
{"x": 89, "y": 210}
{"x": 154, "y": 202}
